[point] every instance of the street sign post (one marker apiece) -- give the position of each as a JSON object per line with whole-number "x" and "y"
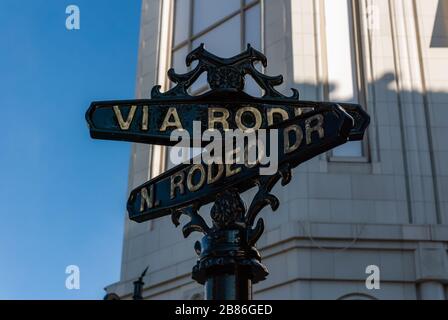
{"x": 228, "y": 262}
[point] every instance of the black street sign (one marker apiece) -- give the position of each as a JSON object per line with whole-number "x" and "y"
{"x": 228, "y": 262}
{"x": 299, "y": 140}
{"x": 226, "y": 105}
{"x": 152, "y": 121}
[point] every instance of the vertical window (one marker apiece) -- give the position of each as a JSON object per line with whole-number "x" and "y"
{"x": 224, "y": 26}
{"x": 342, "y": 65}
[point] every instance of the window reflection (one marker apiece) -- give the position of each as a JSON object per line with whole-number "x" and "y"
{"x": 341, "y": 63}
{"x": 181, "y": 16}
{"x": 225, "y": 27}
{"x": 208, "y": 12}
{"x": 224, "y": 40}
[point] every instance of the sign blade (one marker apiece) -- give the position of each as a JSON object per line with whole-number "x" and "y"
{"x": 176, "y": 188}
{"x": 152, "y": 121}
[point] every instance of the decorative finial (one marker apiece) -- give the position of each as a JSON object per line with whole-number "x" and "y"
{"x": 223, "y": 74}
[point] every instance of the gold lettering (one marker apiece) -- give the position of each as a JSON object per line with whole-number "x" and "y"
{"x": 124, "y": 125}
{"x": 318, "y": 127}
{"x": 287, "y": 143}
{"x": 213, "y": 119}
{"x": 255, "y": 113}
{"x": 279, "y": 111}
{"x": 177, "y": 185}
{"x": 145, "y": 117}
{"x": 172, "y": 112}
{"x": 230, "y": 171}
{"x": 212, "y": 179}
{"x": 300, "y": 111}
{"x": 195, "y": 187}
{"x": 147, "y": 201}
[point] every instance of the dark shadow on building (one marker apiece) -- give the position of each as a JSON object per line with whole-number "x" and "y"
{"x": 440, "y": 31}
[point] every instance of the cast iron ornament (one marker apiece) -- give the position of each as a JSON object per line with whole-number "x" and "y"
{"x": 228, "y": 245}
{"x": 231, "y": 239}
{"x": 226, "y": 74}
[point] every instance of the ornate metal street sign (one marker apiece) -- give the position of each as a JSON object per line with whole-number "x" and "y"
{"x": 228, "y": 261}
{"x": 225, "y": 106}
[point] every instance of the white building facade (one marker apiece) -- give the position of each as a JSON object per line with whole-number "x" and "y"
{"x": 382, "y": 202}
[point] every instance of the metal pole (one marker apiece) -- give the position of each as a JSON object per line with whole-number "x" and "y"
{"x": 228, "y": 264}
{"x": 235, "y": 285}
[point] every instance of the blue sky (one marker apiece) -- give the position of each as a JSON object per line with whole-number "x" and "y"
{"x": 62, "y": 194}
